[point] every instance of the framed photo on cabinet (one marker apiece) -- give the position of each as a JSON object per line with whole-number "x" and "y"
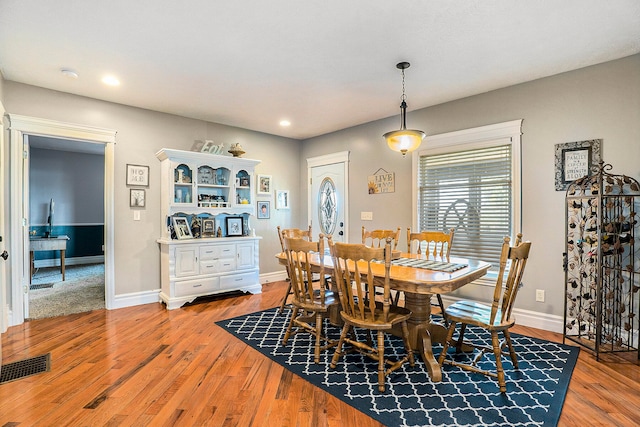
{"x": 181, "y": 227}
{"x": 235, "y": 226}
{"x": 264, "y": 184}
{"x": 209, "y": 227}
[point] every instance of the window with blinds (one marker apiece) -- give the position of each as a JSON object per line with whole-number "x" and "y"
{"x": 472, "y": 192}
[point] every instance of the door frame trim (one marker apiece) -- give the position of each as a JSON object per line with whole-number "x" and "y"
{"x": 324, "y": 160}
{"x": 19, "y": 126}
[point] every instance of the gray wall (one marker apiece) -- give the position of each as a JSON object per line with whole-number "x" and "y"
{"x": 75, "y": 181}
{"x": 601, "y": 101}
{"x": 140, "y": 134}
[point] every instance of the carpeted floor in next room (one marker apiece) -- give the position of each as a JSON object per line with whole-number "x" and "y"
{"x": 82, "y": 291}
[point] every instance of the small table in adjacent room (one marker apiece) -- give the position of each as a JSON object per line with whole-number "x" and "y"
{"x": 57, "y": 243}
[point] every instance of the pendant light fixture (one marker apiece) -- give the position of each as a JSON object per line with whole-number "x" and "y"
{"x": 404, "y": 140}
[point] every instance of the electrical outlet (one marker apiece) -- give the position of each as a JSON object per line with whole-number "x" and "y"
{"x": 366, "y": 216}
{"x": 539, "y": 295}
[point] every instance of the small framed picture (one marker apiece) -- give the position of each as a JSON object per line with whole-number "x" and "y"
{"x": 138, "y": 175}
{"x": 136, "y": 199}
{"x": 181, "y": 227}
{"x": 235, "y": 226}
{"x": 264, "y": 209}
{"x": 264, "y": 184}
{"x": 282, "y": 199}
{"x": 208, "y": 228}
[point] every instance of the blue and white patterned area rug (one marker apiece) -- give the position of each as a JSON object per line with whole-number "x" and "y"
{"x": 535, "y": 393}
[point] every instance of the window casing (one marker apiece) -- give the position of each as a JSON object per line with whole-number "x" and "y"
{"x": 470, "y": 180}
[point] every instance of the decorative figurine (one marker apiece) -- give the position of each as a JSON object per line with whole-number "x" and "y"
{"x": 236, "y": 150}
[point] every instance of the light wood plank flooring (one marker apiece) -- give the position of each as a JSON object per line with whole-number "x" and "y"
{"x": 144, "y": 366}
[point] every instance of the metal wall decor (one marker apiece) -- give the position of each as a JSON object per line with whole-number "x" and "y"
{"x": 602, "y": 262}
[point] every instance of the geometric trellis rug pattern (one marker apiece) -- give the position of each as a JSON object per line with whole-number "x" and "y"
{"x": 535, "y": 392}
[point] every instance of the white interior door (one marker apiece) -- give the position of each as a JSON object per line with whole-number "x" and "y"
{"x": 328, "y": 196}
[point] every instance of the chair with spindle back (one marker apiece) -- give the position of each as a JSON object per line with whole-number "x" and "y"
{"x": 311, "y": 299}
{"x": 434, "y": 244}
{"x": 290, "y": 232}
{"x": 495, "y": 317}
{"x": 353, "y": 264}
{"x": 378, "y": 238}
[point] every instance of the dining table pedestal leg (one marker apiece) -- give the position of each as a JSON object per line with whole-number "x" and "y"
{"x": 423, "y": 332}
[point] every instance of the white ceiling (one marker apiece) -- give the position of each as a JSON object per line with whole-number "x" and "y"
{"x": 323, "y": 65}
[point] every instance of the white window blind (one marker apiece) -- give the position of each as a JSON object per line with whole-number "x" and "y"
{"x": 470, "y": 191}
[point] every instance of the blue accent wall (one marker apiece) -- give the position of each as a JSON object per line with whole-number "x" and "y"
{"x": 84, "y": 240}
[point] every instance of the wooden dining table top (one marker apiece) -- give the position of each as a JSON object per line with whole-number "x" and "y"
{"x": 414, "y": 279}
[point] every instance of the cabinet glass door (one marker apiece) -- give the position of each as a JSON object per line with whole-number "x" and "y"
{"x": 182, "y": 184}
{"x": 243, "y": 188}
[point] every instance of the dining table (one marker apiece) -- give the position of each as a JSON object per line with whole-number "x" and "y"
{"x": 418, "y": 283}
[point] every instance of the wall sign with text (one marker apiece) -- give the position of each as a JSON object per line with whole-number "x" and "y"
{"x": 575, "y": 160}
{"x": 381, "y": 182}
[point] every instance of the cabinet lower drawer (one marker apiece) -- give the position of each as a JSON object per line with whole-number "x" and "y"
{"x": 238, "y": 280}
{"x": 195, "y": 287}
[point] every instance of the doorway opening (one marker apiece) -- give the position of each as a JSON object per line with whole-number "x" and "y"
{"x": 22, "y": 128}
{"x": 65, "y": 210}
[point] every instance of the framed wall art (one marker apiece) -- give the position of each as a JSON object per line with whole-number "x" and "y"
{"x": 138, "y": 175}
{"x": 575, "y": 160}
{"x": 264, "y": 209}
{"x": 264, "y": 184}
{"x": 282, "y": 199}
{"x": 181, "y": 227}
{"x": 136, "y": 198}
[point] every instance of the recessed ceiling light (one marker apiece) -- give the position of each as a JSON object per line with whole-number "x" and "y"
{"x": 69, "y": 73}
{"x": 111, "y": 81}
{"x": 285, "y": 123}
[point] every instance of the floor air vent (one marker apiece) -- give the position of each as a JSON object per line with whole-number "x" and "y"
{"x": 40, "y": 286}
{"x": 25, "y": 368}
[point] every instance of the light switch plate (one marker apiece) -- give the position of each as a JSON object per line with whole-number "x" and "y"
{"x": 136, "y": 215}
{"x": 366, "y": 216}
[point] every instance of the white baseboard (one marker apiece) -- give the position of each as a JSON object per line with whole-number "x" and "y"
{"x": 55, "y": 262}
{"x": 136, "y": 298}
{"x": 275, "y": 276}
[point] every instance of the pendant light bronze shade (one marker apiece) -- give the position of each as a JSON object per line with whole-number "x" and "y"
{"x": 404, "y": 140}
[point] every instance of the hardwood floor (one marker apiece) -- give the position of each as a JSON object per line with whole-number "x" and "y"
{"x": 144, "y": 365}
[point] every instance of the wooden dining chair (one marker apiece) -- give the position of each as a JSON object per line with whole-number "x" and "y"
{"x": 353, "y": 264}
{"x": 290, "y": 232}
{"x": 436, "y": 244}
{"x": 311, "y": 298}
{"x": 495, "y": 317}
{"x": 378, "y": 238}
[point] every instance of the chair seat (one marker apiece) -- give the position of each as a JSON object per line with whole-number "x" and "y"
{"x": 396, "y": 315}
{"x": 316, "y": 304}
{"x": 478, "y": 314}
